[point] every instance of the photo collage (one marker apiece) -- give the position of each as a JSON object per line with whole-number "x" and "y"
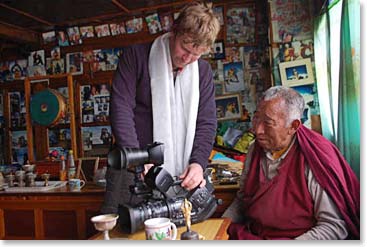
{"x": 94, "y": 103}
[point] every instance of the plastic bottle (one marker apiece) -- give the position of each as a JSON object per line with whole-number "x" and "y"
{"x": 63, "y": 172}
{"x": 71, "y": 165}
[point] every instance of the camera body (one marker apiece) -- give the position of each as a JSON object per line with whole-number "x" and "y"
{"x": 163, "y": 195}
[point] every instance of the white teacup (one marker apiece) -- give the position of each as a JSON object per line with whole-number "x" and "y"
{"x": 160, "y": 229}
{"x": 76, "y": 184}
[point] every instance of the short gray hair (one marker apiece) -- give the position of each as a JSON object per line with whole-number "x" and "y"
{"x": 294, "y": 101}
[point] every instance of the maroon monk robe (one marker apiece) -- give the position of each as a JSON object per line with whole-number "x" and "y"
{"x": 332, "y": 173}
{"x": 280, "y": 208}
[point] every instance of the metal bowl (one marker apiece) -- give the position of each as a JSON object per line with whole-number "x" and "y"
{"x": 28, "y": 168}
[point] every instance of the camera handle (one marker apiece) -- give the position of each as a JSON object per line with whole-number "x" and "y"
{"x": 139, "y": 188}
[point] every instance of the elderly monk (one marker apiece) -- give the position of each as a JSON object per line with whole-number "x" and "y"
{"x": 296, "y": 184}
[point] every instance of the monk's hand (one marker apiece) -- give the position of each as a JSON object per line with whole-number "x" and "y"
{"x": 192, "y": 177}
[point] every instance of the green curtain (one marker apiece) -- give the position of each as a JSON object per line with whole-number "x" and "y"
{"x": 348, "y": 139}
{"x": 337, "y": 63}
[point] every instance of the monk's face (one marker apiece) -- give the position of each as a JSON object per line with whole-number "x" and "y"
{"x": 273, "y": 133}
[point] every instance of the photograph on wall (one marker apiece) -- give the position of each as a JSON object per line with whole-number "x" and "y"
{"x": 49, "y": 37}
{"x": 86, "y": 32}
{"x": 308, "y": 94}
{"x": 134, "y": 25}
{"x": 17, "y": 109}
{"x": 296, "y": 50}
{"x": 241, "y": 25}
{"x": 153, "y": 23}
{"x": 103, "y": 59}
{"x": 74, "y": 35}
{"x": 74, "y": 63}
{"x": 115, "y": 29}
{"x": 228, "y": 107}
{"x": 110, "y": 58}
{"x": 58, "y": 66}
{"x": 121, "y": 27}
{"x": 36, "y": 63}
{"x": 19, "y": 147}
{"x": 5, "y": 74}
{"x": 55, "y": 53}
{"x": 214, "y": 67}
{"x": 219, "y": 88}
{"x": 36, "y": 70}
{"x": 252, "y": 57}
{"x": 233, "y": 54}
{"x": 18, "y": 69}
{"x": 48, "y": 66}
{"x": 233, "y": 76}
{"x": 98, "y": 60}
{"x": 36, "y": 58}
{"x": 96, "y": 136}
{"x": 287, "y": 26}
{"x": 64, "y": 91}
{"x": 59, "y": 138}
{"x": 296, "y": 73}
{"x": 62, "y": 38}
{"x": 94, "y": 100}
{"x": 166, "y": 21}
{"x": 219, "y": 50}
{"x": 102, "y": 30}
{"x": 218, "y": 12}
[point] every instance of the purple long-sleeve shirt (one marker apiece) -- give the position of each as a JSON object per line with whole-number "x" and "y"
{"x": 132, "y": 119}
{"x": 131, "y": 104}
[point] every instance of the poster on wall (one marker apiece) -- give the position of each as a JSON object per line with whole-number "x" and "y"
{"x": 241, "y": 25}
{"x": 296, "y": 73}
{"x": 308, "y": 94}
{"x": 290, "y": 20}
{"x": 233, "y": 76}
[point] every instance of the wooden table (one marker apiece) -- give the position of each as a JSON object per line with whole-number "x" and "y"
{"x": 211, "y": 229}
{"x": 53, "y": 214}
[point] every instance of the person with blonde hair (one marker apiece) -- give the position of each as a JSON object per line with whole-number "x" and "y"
{"x": 162, "y": 91}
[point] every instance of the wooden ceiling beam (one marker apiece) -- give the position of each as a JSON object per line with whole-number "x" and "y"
{"x": 26, "y": 14}
{"x": 122, "y": 7}
{"x": 161, "y": 6}
{"x": 19, "y": 34}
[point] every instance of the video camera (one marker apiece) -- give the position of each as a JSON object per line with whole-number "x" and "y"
{"x": 163, "y": 195}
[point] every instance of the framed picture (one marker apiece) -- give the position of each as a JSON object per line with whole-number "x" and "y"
{"x": 86, "y": 32}
{"x": 166, "y": 21}
{"x": 241, "y": 25}
{"x": 218, "y": 12}
{"x": 153, "y": 23}
{"x": 296, "y": 73}
{"x": 87, "y": 167}
{"x": 233, "y": 77}
{"x": 219, "y": 51}
{"x": 102, "y": 30}
{"x": 228, "y": 107}
{"x": 74, "y": 63}
{"x": 219, "y": 88}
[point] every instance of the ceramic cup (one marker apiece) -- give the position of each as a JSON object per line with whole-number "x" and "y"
{"x": 75, "y": 184}
{"x": 160, "y": 229}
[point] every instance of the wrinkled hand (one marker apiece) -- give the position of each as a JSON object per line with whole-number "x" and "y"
{"x": 193, "y": 176}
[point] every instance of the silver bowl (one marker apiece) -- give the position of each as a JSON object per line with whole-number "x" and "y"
{"x": 28, "y": 168}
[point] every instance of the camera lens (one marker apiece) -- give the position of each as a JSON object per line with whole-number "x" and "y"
{"x": 132, "y": 218}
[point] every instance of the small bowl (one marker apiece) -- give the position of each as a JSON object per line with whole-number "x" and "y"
{"x": 105, "y": 221}
{"x": 28, "y": 168}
